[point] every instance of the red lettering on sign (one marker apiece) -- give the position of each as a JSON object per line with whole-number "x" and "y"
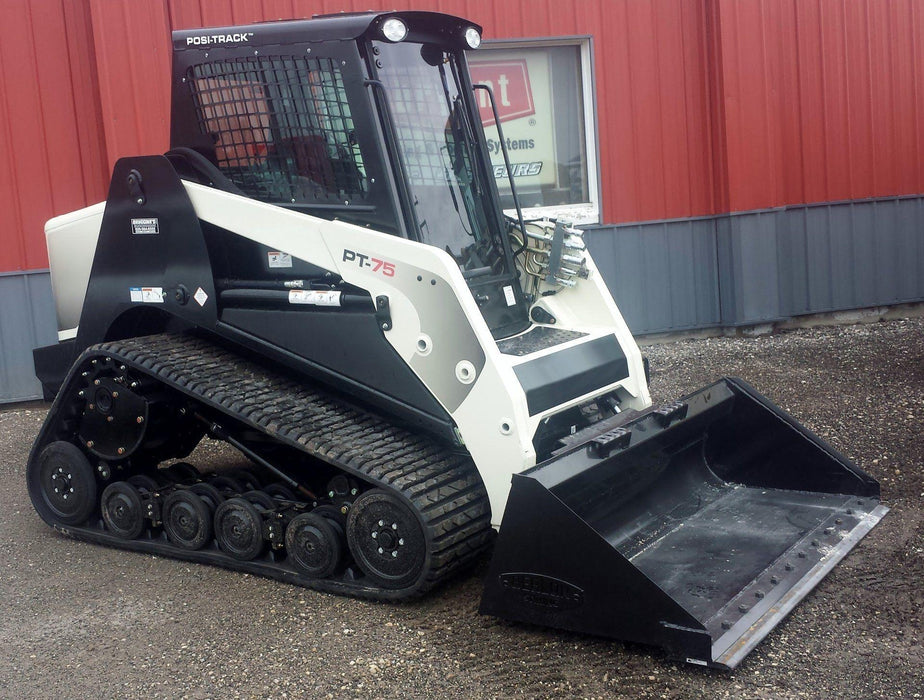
{"x": 509, "y": 80}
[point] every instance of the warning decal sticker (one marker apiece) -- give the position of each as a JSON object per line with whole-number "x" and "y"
{"x": 279, "y": 259}
{"x": 200, "y": 296}
{"x": 145, "y": 226}
{"x": 147, "y": 295}
{"x": 317, "y": 298}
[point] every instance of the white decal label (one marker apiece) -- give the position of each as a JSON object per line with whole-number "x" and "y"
{"x": 279, "y": 259}
{"x": 509, "y": 296}
{"x": 147, "y": 295}
{"x": 200, "y": 296}
{"x": 315, "y": 297}
{"x": 145, "y": 226}
{"x": 208, "y": 39}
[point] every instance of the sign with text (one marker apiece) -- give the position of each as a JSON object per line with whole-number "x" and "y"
{"x": 509, "y": 81}
{"x": 523, "y": 94}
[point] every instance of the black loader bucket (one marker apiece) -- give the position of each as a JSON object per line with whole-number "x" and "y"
{"x": 695, "y": 527}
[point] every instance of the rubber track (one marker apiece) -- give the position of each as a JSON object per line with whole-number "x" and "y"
{"x": 442, "y": 486}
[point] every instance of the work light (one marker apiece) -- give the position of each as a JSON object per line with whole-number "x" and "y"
{"x": 394, "y": 30}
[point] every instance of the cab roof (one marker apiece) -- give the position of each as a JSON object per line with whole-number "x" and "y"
{"x": 423, "y": 27}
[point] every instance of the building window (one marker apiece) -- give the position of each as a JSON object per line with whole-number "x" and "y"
{"x": 544, "y": 95}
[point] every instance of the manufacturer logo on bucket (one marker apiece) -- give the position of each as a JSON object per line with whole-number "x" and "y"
{"x": 543, "y": 591}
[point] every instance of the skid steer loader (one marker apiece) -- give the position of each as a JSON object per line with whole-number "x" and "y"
{"x": 320, "y": 273}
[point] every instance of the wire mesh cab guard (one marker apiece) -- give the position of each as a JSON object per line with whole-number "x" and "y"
{"x": 281, "y": 126}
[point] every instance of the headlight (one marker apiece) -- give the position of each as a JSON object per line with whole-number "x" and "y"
{"x": 394, "y": 30}
{"x": 472, "y": 38}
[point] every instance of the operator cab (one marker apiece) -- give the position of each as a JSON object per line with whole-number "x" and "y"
{"x": 368, "y": 118}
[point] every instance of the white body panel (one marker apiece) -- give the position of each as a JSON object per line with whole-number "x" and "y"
{"x": 438, "y": 329}
{"x": 493, "y": 419}
{"x": 71, "y": 241}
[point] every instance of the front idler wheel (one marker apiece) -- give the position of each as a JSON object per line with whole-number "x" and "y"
{"x": 62, "y": 484}
{"x": 187, "y": 520}
{"x": 314, "y": 544}
{"x": 387, "y": 540}
{"x": 239, "y": 529}
{"x": 123, "y": 511}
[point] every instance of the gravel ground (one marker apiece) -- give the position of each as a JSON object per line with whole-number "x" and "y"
{"x": 85, "y": 621}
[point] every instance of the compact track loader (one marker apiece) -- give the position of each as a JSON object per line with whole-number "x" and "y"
{"x": 320, "y": 273}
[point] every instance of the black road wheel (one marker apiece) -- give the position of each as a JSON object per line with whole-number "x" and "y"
{"x": 239, "y": 529}
{"x": 62, "y": 484}
{"x": 261, "y": 498}
{"x": 248, "y": 479}
{"x": 123, "y": 510}
{"x": 386, "y": 539}
{"x": 227, "y": 484}
{"x": 187, "y": 520}
{"x": 280, "y": 492}
{"x": 332, "y": 512}
{"x": 144, "y": 483}
{"x": 208, "y": 493}
{"x": 314, "y": 544}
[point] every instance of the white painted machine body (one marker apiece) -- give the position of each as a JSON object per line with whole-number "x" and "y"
{"x": 493, "y": 420}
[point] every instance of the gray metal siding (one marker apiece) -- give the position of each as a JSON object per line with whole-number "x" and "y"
{"x": 756, "y": 267}
{"x": 27, "y": 320}
{"x": 819, "y": 258}
{"x": 661, "y": 274}
{"x": 750, "y": 252}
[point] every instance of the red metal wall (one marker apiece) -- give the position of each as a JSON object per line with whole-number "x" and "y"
{"x": 51, "y": 128}
{"x": 133, "y": 58}
{"x": 704, "y": 106}
{"x": 822, "y": 101}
